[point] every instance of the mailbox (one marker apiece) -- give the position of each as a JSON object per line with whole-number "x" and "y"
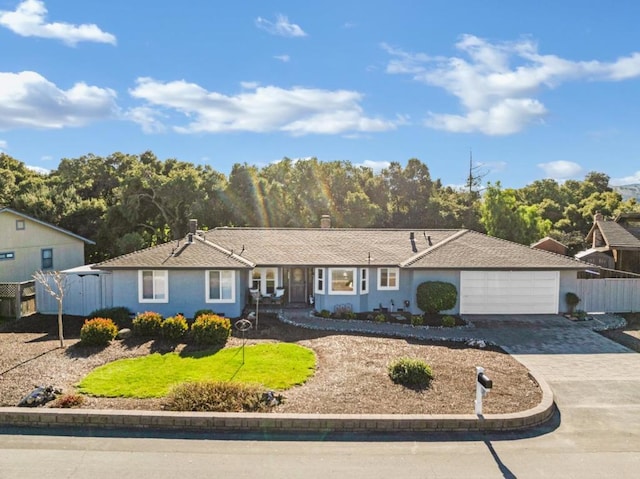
{"x": 484, "y": 381}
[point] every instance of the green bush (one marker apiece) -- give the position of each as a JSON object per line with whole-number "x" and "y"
{"x": 448, "y": 321}
{"x": 409, "y": 372}
{"x": 380, "y": 318}
{"x": 174, "y": 328}
{"x": 435, "y": 296}
{"x": 211, "y": 329}
{"x": 350, "y": 315}
{"x": 98, "y": 332}
{"x": 202, "y": 312}
{"x": 213, "y": 396}
{"x": 325, "y": 313}
{"x": 120, "y": 315}
{"x": 580, "y": 314}
{"x": 417, "y": 320}
{"x": 147, "y": 324}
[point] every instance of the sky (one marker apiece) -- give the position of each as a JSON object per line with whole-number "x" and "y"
{"x": 527, "y": 90}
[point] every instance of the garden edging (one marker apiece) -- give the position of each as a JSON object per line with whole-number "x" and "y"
{"x": 280, "y": 423}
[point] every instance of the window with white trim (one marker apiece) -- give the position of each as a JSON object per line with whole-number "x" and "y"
{"x": 7, "y": 255}
{"x": 388, "y": 278}
{"x": 342, "y": 280}
{"x": 221, "y": 286}
{"x": 264, "y": 280}
{"x": 364, "y": 280}
{"x": 319, "y": 281}
{"x": 153, "y": 286}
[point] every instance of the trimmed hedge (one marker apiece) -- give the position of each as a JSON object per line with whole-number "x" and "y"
{"x": 435, "y": 296}
{"x": 147, "y": 324}
{"x": 211, "y": 330}
{"x": 409, "y": 372}
{"x": 98, "y": 332}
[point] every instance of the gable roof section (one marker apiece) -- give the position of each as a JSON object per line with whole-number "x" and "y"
{"x": 614, "y": 235}
{"x": 473, "y": 250}
{"x": 547, "y": 239}
{"x": 325, "y": 246}
{"x": 44, "y": 223}
{"x": 179, "y": 255}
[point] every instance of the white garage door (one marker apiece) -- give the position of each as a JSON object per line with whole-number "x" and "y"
{"x": 509, "y": 292}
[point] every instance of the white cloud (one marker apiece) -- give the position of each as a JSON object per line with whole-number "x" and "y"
{"x": 298, "y": 111}
{"x": 281, "y": 27}
{"x": 626, "y": 180}
{"x": 282, "y": 58}
{"x": 376, "y": 166}
{"x": 28, "y": 20}
{"x": 561, "y": 170}
{"x": 148, "y": 118}
{"x": 3, "y": 145}
{"x": 39, "y": 169}
{"x": 27, "y": 99}
{"x": 496, "y": 84}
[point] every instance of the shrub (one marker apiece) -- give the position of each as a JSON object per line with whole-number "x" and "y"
{"x": 98, "y": 332}
{"x": 120, "y": 315}
{"x": 580, "y": 314}
{"x": 202, "y": 312}
{"x": 174, "y": 328}
{"x": 380, "y": 318}
{"x": 409, "y": 372}
{"x": 68, "y": 401}
{"x": 572, "y": 300}
{"x": 147, "y": 324}
{"x": 448, "y": 321}
{"x": 349, "y": 315}
{"x": 417, "y": 320}
{"x": 211, "y": 329}
{"x": 436, "y": 296}
{"x": 213, "y": 396}
{"x": 325, "y": 313}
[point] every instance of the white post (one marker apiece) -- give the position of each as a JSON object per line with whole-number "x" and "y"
{"x": 479, "y": 392}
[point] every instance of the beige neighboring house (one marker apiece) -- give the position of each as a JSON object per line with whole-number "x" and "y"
{"x": 28, "y": 245}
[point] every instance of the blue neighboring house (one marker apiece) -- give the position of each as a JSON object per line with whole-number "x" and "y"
{"x": 330, "y": 268}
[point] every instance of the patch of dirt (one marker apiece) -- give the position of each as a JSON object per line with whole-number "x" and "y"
{"x": 351, "y": 375}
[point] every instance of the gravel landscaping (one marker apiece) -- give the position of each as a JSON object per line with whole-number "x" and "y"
{"x": 351, "y": 375}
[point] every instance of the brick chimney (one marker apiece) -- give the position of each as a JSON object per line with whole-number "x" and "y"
{"x": 598, "y": 217}
{"x": 193, "y": 226}
{"x": 325, "y": 221}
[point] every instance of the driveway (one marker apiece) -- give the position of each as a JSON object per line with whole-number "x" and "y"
{"x": 595, "y": 381}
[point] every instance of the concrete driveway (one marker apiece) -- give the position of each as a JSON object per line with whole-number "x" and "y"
{"x": 596, "y": 382}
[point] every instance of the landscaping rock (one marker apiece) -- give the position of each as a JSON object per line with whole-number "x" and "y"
{"x": 39, "y": 396}
{"x": 124, "y": 333}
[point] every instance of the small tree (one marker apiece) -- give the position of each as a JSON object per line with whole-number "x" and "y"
{"x": 572, "y": 300}
{"x": 56, "y": 290}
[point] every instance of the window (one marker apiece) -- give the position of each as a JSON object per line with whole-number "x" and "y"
{"x": 7, "y": 255}
{"x": 264, "y": 280}
{"x": 342, "y": 281}
{"x": 153, "y": 286}
{"x": 319, "y": 280}
{"x": 388, "y": 278}
{"x": 364, "y": 280}
{"x": 20, "y": 224}
{"x": 47, "y": 258}
{"x": 221, "y": 286}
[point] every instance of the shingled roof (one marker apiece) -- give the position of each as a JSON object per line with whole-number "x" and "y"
{"x": 614, "y": 235}
{"x": 250, "y": 247}
{"x": 181, "y": 254}
{"x": 326, "y": 246}
{"x": 472, "y": 250}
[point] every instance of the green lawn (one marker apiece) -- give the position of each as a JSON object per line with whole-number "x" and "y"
{"x": 276, "y": 366}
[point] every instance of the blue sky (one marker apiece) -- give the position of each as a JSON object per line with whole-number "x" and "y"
{"x": 545, "y": 89}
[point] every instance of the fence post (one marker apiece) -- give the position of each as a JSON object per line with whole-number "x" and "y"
{"x": 18, "y": 302}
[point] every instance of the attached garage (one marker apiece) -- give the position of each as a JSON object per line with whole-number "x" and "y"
{"x": 509, "y": 292}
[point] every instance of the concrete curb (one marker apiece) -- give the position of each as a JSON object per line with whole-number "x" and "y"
{"x": 280, "y": 423}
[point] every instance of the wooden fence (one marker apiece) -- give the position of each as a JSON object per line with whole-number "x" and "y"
{"x": 17, "y": 299}
{"x": 610, "y": 295}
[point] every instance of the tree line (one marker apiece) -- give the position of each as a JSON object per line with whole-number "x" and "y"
{"x": 126, "y": 202}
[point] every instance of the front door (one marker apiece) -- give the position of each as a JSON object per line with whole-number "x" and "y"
{"x": 297, "y": 286}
